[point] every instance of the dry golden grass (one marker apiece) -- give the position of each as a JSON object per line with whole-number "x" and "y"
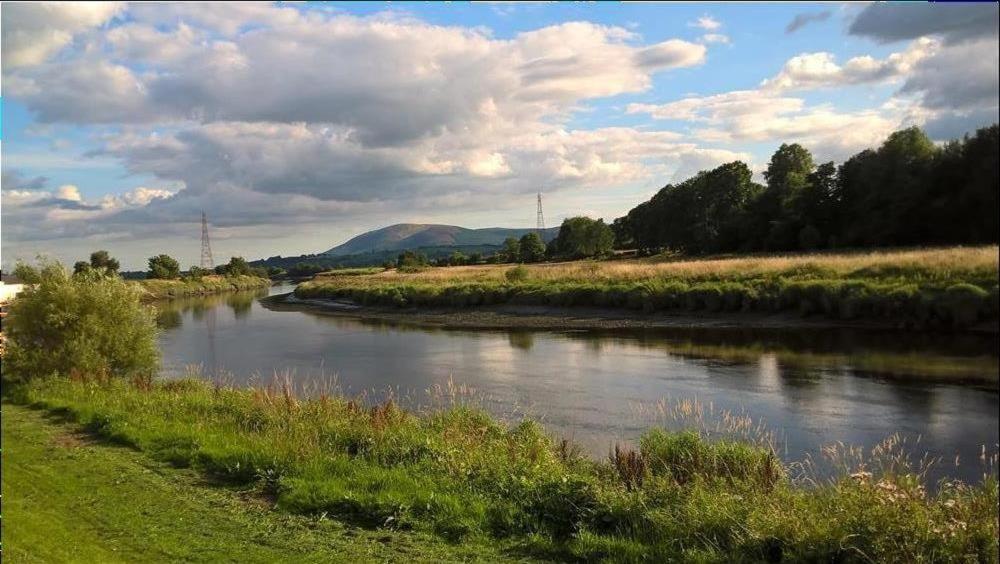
{"x": 945, "y": 262}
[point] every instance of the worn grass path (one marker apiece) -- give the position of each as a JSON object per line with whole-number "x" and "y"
{"x": 70, "y": 498}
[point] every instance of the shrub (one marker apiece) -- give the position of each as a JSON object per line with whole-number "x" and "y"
{"x": 516, "y": 274}
{"x": 164, "y": 266}
{"x": 87, "y": 323}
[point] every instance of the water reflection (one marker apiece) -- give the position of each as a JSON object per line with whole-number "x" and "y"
{"x": 811, "y": 388}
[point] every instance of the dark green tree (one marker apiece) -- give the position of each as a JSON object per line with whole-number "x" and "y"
{"x": 163, "y": 267}
{"x": 581, "y": 237}
{"x": 531, "y": 248}
{"x": 103, "y": 260}
{"x": 511, "y": 251}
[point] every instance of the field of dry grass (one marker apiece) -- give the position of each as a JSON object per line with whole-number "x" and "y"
{"x": 953, "y": 263}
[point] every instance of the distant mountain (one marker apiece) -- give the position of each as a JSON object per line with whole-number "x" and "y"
{"x": 404, "y": 236}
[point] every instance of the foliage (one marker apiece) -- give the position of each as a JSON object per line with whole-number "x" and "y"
{"x": 305, "y": 270}
{"x": 517, "y": 274}
{"x": 237, "y": 266}
{"x": 102, "y": 260}
{"x": 581, "y": 237}
{"x": 531, "y": 248}
{"x": 410, "y": 261}
{"x": 906, "y": 192}
{"x": 85, "y": 323}
{"x": 511, "y": 250}
{"x": 156, "y": 289}
{"x": 459, "y": 474}
{"x": 164, "y": 267}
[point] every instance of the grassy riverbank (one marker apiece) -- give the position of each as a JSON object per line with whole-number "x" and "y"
{"x": 70, "y": 496}
{"x": 156, "y": 289}
{"x": 460, "y": 476}
{"x": 952, "y": 287}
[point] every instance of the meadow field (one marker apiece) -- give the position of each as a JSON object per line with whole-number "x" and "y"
{"x": 455, "y": 474}
{"x": 936, "y": 287}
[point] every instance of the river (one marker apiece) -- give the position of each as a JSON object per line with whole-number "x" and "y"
{"x": 806, "y": 389}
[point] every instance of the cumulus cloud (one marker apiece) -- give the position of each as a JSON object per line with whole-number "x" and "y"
{"x": 757, "y": 115}
{"x": 35, "y": 31}
{"x": 804, "y": 19}
{"x": 819, "y": 70}
{"x": 956, "y": 84}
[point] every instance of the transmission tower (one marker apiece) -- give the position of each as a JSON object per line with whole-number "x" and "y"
{"x": 541, "y": 218}
{"x": 206, "y": 248}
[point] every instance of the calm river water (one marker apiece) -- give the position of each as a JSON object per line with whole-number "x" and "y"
{"x": 809, "y": 388}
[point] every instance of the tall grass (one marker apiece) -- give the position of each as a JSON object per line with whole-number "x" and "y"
{"x": 954, "y": 287}
{"x": 157, "y": 289}
{"x": 459, "y": 473}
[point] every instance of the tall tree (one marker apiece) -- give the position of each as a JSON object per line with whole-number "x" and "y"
{"x": 531, "y": 248}
{"x": 101, "y": 259}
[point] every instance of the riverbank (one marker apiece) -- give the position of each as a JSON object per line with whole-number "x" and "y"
{"x": 156, "y": 289}
{"x": 73, "y": 496}
{"x": 922, "y": 289}
{"x": 465, "y": 478}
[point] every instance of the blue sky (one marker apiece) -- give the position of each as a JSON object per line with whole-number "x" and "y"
{"x": 296, "y": 126}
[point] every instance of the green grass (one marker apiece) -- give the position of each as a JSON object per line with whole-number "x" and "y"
{"x": 954, "y": 287}
{"x": 71, "y": 497}
{"x": 460, "y": 476}
{"x": 155, "y": 289}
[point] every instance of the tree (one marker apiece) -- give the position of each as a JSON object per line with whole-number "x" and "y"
{"x": 457, "y": 258}
{"x": 164, "y": 267}
{"x": 87, "y": 324}
{"x": 787, "y": 175}
{"x": 584, "y": 237}
{"x": 531, "y": 248}
{"x": 102, "y": 260}
{"x": 410, "y": 261}
{"x": 511, "y": 250}
{"x": 81, "y": 266}
{"x": 238, "y": 266}
{"x": 196, "y": 272}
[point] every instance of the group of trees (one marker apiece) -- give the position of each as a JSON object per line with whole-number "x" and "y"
{"x": 165, "y": 267}
{"x": 579, "y": 237}
{"x": 908, "y": 191}
{"x": 100, "y": 261}
{"x": 529, "y": 248}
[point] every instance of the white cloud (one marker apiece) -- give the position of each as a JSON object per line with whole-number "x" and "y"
{"x": 68, "y": 192}
{"x": 758, "y": 115}
{"x": 715, "y": 38}
{"x": 820, "y": 70}
{"x": 35, "y": 31}
{"x": 707, "y": 23}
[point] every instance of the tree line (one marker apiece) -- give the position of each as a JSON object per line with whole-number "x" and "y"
{"x": 908, "y": 191}
{"x": 165, "y": 267}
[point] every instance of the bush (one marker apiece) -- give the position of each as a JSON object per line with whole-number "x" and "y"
{"x": 86, "y": 323}
{"x": 164, "y": 267}
{"x": 516, "y": 274}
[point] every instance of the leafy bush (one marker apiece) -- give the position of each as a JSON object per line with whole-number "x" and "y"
{"x": 86, "y": 323}
{"x": 164, "y": 267}
{"x": 516, "y": 274}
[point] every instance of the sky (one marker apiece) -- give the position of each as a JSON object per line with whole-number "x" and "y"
{"x": 295, "y": 126}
